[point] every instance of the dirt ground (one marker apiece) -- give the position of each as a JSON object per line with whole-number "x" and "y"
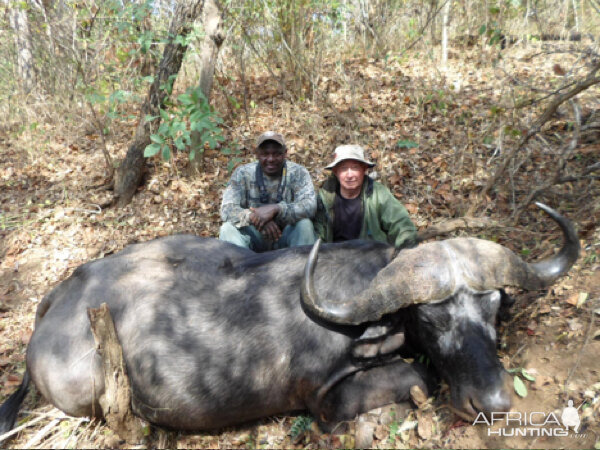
{"x": 54, "y": 217}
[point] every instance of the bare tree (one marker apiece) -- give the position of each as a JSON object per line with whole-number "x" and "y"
{"x": 212, "y": 19}
{"x": 445, "y": 25}
{"x": 130, "y": 173}
{"x": 17, "y": 17}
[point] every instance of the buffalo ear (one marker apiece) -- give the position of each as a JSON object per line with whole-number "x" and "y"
{"x": 506, "y": 300}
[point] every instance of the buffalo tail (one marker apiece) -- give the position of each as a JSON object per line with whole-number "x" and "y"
{"x": 10, "y": 408}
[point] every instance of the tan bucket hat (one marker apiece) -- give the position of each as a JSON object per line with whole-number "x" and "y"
{"x": 270, "y": 136}
{"x": 344, "y": 152}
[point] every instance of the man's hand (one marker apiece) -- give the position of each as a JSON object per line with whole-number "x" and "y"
{"x": 271, "y": 231}
{"x": 260, "y": 216}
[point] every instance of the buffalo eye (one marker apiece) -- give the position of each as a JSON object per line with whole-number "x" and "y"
{"x": 432, "y": 316}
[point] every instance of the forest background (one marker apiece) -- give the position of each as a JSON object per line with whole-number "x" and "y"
{"x": 122, "y": 121}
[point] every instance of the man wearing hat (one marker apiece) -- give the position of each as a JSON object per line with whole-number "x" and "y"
{"x": 268, "y": 204}
{"x": 351, "y": 205}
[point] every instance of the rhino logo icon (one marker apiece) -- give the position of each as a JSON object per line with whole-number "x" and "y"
{"x": 570, "y": 417}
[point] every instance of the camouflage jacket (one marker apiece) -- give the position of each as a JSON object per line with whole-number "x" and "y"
{"x": 299, "y": 198}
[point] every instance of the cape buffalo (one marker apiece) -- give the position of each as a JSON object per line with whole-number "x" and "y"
{"x": 215, "y": 335}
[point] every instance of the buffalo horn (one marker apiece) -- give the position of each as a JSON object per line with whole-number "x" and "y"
{"x": 434, "y": 271}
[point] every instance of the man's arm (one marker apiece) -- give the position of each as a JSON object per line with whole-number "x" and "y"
{"x": 395, "y": 219}
{"x": 320, "y": 221}
{"x": 305, "y": 199}
{"x": 264, "y": 214}
{"x": 233, "y": 206}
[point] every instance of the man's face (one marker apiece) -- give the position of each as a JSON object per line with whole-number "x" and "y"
{"x": 350, "y": 174}
{"x": 271, "y": 157}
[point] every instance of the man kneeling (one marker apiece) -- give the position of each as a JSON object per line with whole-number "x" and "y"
{"x": 268, "y": 204}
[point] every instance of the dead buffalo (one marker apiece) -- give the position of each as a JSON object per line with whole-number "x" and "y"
{"x": 215, "y": 335}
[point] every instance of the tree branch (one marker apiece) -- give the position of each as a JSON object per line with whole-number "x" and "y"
{"x": 449, "y": 226}
{"x": 589, "y": 81}
{"x": 424, "y": 27}
{"x": 560, "y": 166}
{"x": 116, "y": 399}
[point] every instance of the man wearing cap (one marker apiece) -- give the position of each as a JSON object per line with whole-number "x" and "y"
{"x": 351, "y": 205}
{"x": 268, "y": 204}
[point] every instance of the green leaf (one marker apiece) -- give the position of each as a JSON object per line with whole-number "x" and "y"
{"x": 197, "y": 116}
{"x": 234, "y": 102}
{"x": 211, "y": 142}
{"x": 186, "y": 99}
{"x": 406, "y": 144}
{"x": 232, "y": 163}
{"x": 151, "y": 150}
{"x": 163, "y": 130}
{"x": 179, "y": 144}
{"x": 300, "y": 425}
{"x": 157, "y": 139}
{"x": 164, "y": 115}
{"x": 119, "y": 96}
{"x": 520, "y": 387}
{"x": 166, "y": 153}
{"x": 393, "y": 432}
{"x": 527, "y": 375}
{"x": 199, "y": 125}
{"x": 178, "y": 126}
{"x": 95, "y": 98}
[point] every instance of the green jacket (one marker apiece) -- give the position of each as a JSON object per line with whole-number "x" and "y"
{"x": 385, "y": 219}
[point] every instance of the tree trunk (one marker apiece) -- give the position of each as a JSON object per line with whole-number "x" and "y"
{"x": 432, "y": 11}
{"x": 213, "y": 38}
{"x": 575, "y": 16}
{"x": 131, "y": 171}
{"x": 566, "y": 16}
{"x": 445, "y": 25}
{"x": 19, "y": 23}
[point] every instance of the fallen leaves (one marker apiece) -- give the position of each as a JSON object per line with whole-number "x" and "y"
{"x": 577, "y": 299}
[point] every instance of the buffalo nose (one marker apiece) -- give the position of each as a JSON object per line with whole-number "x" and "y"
{"x": 496, "y": 400}
{"x": 497, "y": 397}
